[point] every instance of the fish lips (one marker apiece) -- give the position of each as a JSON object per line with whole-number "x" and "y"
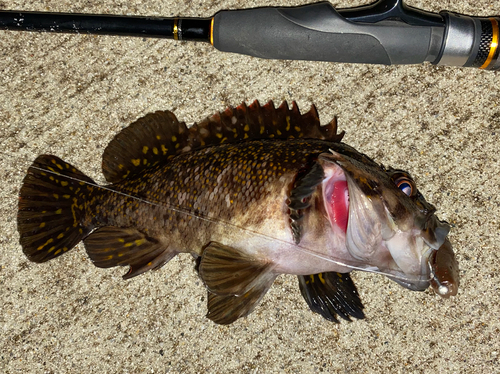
{"x": 435, "y": 232}
{"x": 443, "y": 270}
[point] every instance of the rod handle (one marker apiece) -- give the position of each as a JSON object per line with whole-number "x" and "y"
{"x": 318, "y": 32}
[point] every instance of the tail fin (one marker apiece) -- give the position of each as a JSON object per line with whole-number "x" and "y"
{"x": 52, "y": 208}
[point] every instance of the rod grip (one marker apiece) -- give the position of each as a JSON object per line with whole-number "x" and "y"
{"x": 318, "y": 32}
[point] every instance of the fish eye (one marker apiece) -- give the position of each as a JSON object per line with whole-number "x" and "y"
{"x": 403, "y": 181}
{"x": 406, "y": 185}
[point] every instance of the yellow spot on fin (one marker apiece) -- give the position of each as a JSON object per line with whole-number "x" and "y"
{"x": 111, "y": 246}
{"x": 47, "y": 229}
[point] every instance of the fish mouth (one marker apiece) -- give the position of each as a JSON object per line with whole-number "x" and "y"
{"x": 336, "y": 197}
{"x": 435, "y": 232}
{"x": 441, "y": 270}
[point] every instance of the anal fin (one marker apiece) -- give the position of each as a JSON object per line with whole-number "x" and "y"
{"x": 115, "y": 246}
{"x": 236, "y": 282}
{"x": 331, "y": 294}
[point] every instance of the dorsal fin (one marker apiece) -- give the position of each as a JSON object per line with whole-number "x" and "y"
{"x": 255, "y": 122}
{"x": 144, "y": 143}
{"x": 158, "y": 136}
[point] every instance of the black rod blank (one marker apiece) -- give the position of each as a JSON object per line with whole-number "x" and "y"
{"x": 196, "y": 29}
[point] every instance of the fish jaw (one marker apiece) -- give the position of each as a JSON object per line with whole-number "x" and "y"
{"x": 413, "y": 261}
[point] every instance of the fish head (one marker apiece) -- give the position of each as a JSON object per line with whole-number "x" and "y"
{"x": 389, "y": 227}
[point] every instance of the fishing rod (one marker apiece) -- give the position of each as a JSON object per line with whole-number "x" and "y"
{"x": 386, "y": 32}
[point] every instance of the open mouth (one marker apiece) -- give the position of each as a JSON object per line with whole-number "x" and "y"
{"x": 337, "y": 200}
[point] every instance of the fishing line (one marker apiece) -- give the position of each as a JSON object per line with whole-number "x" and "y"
{"x": 247, "y": 231}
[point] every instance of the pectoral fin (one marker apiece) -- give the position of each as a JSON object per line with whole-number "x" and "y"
{"x": 331, "y": 294}
{"x": 229, "y": 271}
{"x": 235, "y": 280}
{"x": 224, "y": 309}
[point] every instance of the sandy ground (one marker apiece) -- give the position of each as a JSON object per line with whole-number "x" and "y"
{"x": 70, "y": 94}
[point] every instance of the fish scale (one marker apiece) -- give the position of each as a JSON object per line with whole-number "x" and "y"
{"x": 227, "y": 181}
{"x": 251, "y": 192}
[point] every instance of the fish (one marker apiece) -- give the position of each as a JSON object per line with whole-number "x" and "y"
{"x": 251, "y": 192}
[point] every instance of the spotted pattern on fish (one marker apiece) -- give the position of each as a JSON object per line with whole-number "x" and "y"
{"x": 218, "y": 183}
{"x": 230, "y": 190}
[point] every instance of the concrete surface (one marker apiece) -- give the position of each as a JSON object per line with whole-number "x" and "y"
{"x": 70, "y": 94}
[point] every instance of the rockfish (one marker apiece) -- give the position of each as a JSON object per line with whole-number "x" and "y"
{"x": 251, "y": 192}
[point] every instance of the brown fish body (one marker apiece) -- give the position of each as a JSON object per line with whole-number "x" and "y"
{"x": 224, "y": 194}
{"x": 253, "y": 192}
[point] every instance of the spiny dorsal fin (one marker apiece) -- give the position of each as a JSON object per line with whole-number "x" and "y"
{"x": 158, "y": 136}
{"x": 255, "y": 122}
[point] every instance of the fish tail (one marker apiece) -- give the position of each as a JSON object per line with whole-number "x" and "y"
{"x": 51, "y": 217}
